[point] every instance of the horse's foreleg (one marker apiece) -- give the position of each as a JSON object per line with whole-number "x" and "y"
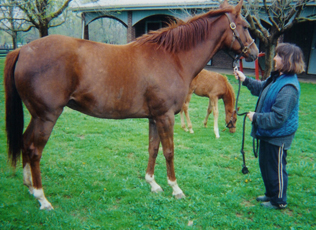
{"x": 35, "y": 139}
{"x": 215, "y": 114}
{"x": 165, "y": 126}
{"x": 153, "y": 148}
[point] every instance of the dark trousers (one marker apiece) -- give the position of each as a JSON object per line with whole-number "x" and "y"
{"x": 272, "y": 162}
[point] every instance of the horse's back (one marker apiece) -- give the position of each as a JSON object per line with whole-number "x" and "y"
{"x": 208, "y": 83}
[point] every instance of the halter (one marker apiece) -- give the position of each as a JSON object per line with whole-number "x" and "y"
{"x": 244, "y": 49}
{"x": 230, "y": 124}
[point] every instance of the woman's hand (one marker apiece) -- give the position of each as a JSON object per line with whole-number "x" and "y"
{"x": 250, "y": 115}
{"x": 239, "y": 75}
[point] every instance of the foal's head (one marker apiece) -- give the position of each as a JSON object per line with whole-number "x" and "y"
{"x": 238, "y": 38}
{"x": 231, "y": 121}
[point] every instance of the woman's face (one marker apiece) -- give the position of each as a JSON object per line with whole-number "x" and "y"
{"x": 278, "y": 62}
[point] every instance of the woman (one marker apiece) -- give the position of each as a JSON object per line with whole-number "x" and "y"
{"x": 275, "y": 120}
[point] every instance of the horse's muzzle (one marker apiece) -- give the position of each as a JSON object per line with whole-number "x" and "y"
{"x": 251, "y": 58}
{"x": 232, "y": 130}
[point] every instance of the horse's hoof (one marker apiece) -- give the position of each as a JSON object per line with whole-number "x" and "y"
{"x": 47, "y": 207}
{"x": 191, "y": 131}
{"x": 179, "y": 196}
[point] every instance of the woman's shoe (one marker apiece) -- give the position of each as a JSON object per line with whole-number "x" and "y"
{"x": 271, "y": 206}
{"x": 263, "y": 198}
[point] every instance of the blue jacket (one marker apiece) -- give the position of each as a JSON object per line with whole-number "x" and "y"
{"x": 291, "y": 124}
{"x": 274, "y": 108}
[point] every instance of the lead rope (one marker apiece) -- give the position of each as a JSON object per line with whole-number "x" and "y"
{"x": 255, "y": 148}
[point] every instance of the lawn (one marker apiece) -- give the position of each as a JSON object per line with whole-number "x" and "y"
{"x": 93, "y": 174}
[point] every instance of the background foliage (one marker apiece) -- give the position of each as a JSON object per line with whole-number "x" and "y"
{"x": 93, "y": 174}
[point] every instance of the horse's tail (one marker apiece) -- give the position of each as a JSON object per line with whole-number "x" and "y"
{"x": 14, "y": 109}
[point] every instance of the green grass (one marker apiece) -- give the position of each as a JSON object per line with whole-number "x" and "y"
{"x": 93, "y": 174}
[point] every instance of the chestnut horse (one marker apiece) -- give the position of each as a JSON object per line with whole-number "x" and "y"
{"x": 214, "y": 86}
{"x": 148, "y": 78}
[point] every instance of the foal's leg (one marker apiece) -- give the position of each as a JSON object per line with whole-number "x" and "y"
{"x": 184, "y": 108}
{"x": 153, "y": 148}
{"x": 208, "y": 111}
{"x": 165, "y": 125}
{"x": 188, "y": 119}
{"x": 213, "y": 106}
{"x": 35, "y": 139}
{"x": 215, "y": 114}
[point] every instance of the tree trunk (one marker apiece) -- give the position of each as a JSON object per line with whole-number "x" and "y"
{"x": 269, "y": 54}
{"x": 43, "y": 31}
{"x": 14, "y": 39}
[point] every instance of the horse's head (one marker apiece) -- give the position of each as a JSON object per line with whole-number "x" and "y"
{"x": 238, "y": 38}
{"x": 231, "y": 121}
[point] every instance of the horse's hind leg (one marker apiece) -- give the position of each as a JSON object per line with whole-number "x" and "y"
{"x": 34, "y": 140}
{"x": 27, "y": 174}
{"x": 165, "y": 126}
{"x": 153, "y": 148}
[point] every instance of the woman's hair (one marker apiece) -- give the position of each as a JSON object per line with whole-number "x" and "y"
{"x": 292, "y": 57}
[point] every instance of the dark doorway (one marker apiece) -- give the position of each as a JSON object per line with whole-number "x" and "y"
{"x": 152, "y": 26}
{"x": 154, "y": 22}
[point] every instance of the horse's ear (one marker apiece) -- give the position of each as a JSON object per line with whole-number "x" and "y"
{"x": 224, "y": 4}
{"x": 238, "y": 108}
{"x": 238, "y": 7}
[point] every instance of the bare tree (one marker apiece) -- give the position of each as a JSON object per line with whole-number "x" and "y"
{"x": 43, "y": 14}
{"x": 11, "y": 20}
{"x": 282, "y": 15}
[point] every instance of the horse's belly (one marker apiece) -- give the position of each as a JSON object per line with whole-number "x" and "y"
{"x": 108, "y": 110}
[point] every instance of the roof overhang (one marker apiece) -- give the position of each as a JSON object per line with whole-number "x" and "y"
{"x": 127, "y": 5}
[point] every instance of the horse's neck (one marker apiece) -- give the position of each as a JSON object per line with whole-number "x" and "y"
{"x": 194, "y": 60}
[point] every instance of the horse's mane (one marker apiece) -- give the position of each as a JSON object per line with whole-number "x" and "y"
{"x": 182, "y": 36}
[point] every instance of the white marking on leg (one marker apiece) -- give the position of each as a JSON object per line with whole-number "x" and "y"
{"x": 39, "y": 195}
{"x": 154, "y": 186}
{"x": 215, "y": 114}
{"x": 177, "y": 192}
{"x": 27, "y": 177}
{"x": 216, "y": 131}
